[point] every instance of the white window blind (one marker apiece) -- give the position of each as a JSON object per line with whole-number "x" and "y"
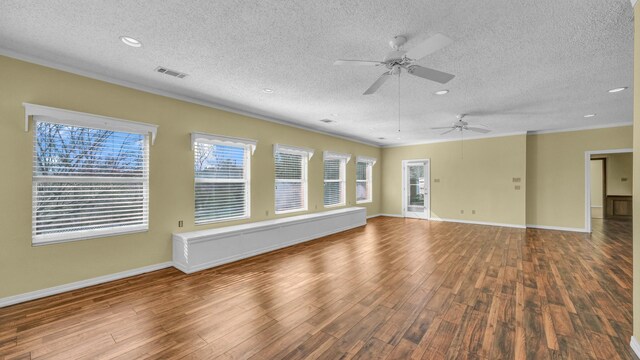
{"x": 291, "y": 178}
{"x": 88, "y": 182}
{"x": 364, "y": 179}
{"x": 334, "y": 178}
{"x": 222, "y": 187}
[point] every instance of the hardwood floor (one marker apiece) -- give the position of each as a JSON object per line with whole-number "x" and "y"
{"x": 395, "y": 289}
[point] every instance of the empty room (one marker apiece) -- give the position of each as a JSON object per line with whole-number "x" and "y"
{"x": 230, "y": 179}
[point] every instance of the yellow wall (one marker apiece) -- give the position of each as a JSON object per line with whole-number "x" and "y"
{"x": 555, "y": 173}
{"x": 24, "y": 268}
{"x": 636, "y": 175}
{"x": 619, "y": 166}
{"x": 481, "y": 180}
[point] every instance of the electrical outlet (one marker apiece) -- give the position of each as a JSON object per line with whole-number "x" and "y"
{"x": 266, "y": 212}
{"x": 623, "y": 179}
{"x": 316, "y": 206}
{"x": 461, "y": 211}
{"x": 516, "y": 180}
{"x": 473, "y": 212}
{"x": 180, "y": 223}
{"x": 517, "y": 187}
{"x": 436, "y": 180}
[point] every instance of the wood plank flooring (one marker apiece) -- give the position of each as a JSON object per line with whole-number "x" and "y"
{"x": 395, "y": 289}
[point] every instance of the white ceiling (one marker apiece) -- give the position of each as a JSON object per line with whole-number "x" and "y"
{"x": 520, "y": 65}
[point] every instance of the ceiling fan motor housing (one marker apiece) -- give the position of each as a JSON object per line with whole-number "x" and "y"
{"x": 397, "y": 42}
{"x": 394, "y": 57}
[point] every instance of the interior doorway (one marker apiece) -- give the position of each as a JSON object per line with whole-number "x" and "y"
{"x": 416, "y": 189}
{"x": 608, "y": 185}
{"x": 598, "y": 166}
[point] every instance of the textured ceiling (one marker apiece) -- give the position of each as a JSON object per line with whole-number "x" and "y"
{"x": 520, "y": 65}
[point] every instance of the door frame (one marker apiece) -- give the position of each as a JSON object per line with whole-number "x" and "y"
{"x": 587, "y": 181}
{"x": 427, "y": 184}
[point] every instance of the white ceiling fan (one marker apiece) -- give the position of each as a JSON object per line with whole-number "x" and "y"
{"x": 462, "y": 125}
{"x": 398, "y": 59}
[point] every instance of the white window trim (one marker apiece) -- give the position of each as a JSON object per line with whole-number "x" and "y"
{"x": 369, "y": 183}
{"x": 330, "y": 155}
{"x": 80, "y": 119}
{"x": 370, "y": 161}
{"x": 366, "y": 159}
{"x": 344, "y": 159}
{"x": 296, "y": 150}
{"x": 222, "y": 140}
{"x": 307, "y": 154}
{"x": 250, "y": 147}
{"x": 66, "y": 117}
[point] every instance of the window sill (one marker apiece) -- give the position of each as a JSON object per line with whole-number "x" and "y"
{"x": 208, "y": 222}
{"x": 290, "y": 211}
{"x": 334, "y": 205}
{"x": 85, "y": 235}
{"x": 364, "y": 202}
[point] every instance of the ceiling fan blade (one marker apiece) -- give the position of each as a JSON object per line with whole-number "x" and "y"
{"x": 357, "y": 62}
{"x": 431, "y": 45}
{"x": 480, "y": 130}
{"x": 376, "y": 85}
{"x": 430, "y": 74}
{"x": 448, "y": 131}
{"x": 440, "y": 127}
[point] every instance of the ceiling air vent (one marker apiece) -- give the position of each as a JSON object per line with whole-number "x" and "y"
{"x": 327, "y": 121}
{"x": 164, "y": 70}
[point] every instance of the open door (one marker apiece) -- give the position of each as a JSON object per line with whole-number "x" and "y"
{"x": 416, "y": 191}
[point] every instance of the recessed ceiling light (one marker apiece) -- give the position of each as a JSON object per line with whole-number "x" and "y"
{"x": 131, "y": 41}
{"x": 618, "y": 89}
{"x": 590, "y": 115}
{"x": 334, "y": 115}
{"x": 441, "y": 92}
{"x": 267, "y": 90}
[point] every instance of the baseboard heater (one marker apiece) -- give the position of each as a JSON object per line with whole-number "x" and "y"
{"x": 199, "y": 250}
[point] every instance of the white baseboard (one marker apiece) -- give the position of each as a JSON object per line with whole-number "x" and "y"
{"x": 392, "y": 215}
{"x": 16, "y": 299}
{"x": 372, "y": 216}
{"x": 559, "y": 228}
{"x": 463, "y": 221}
{"x": 635, "y": 346}
{"x": 479, "y": 223}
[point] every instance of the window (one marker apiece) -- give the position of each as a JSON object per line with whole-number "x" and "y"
{"x": 364, "y": 189}
{"x": 291, "y": 178}
{"x": 222, "y": 187}
{"x": 334, "y": 178}
{"x": 90, "y": 175}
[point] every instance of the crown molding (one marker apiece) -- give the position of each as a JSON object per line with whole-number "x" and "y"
{"x": 582, "y": 128}
{"x": 152, "y": 90}
{"x": 480, "y": 137}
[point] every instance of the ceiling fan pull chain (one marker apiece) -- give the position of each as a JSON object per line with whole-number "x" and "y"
{"x": 462, "y": 143}
{"x": 398, "y": 102}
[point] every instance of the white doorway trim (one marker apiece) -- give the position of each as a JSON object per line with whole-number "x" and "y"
{"x": 587, "y": 181}
{"x": 427, "y": 184}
